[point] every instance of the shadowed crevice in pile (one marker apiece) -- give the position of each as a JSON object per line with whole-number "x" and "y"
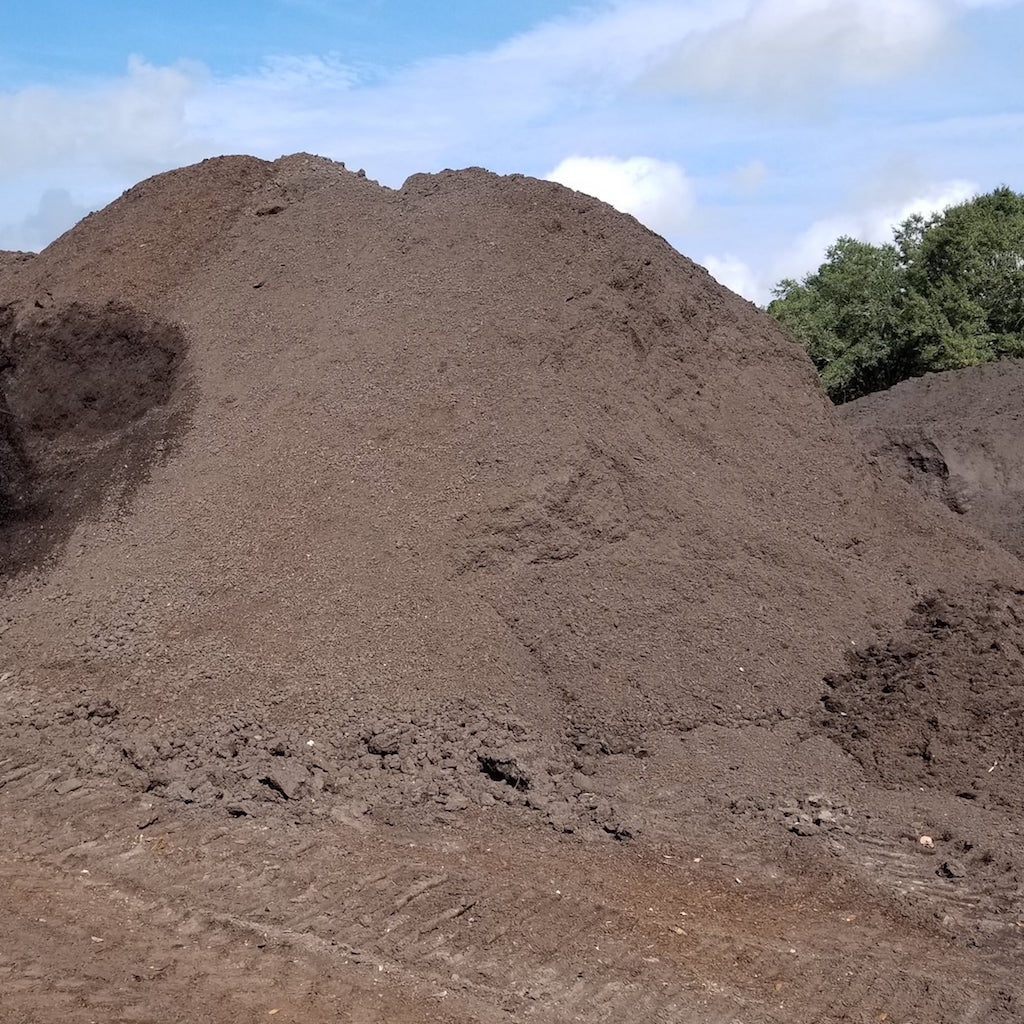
{"x": 89, "y": 397}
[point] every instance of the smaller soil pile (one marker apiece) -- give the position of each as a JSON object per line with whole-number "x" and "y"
{"x": 959, "y": 437}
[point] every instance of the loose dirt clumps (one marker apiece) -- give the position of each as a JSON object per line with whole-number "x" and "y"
{"x": 903, "y": 709}
{"x": 449, "y": 580}
{"x": 451, "y": 760}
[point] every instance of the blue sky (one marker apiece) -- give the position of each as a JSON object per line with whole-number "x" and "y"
{"x": 750, "y": 133}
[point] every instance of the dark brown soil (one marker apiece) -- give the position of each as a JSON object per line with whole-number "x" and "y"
{"x": 477, "y": 594}
{"x": 88, "y": 397}
{"x": 903, "y": 710}
{"x": 959, "y": 438}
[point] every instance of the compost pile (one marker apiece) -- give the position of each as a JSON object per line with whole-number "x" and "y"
{"x": 476, "y": 493}
{"x": 958, "y": 437}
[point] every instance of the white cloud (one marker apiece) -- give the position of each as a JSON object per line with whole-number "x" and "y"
{"x": 154, "y": 117}
{"x": 657, "y": 192}
{"x": 874, "y": 223}
{"x": 571, "y": 85}
{"x": 57, "y": 211}
{"x": 736, "y": 275}
{"x": 772, "y": 51}
{"x": 134, "y": 121}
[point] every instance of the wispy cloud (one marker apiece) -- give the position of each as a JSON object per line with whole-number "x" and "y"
{"x": 768, "y": 47}
{"x": 138, "y": 120}
{"x": 615, "y": 99}
{"x": 805, "y": 253}
{"x": 786, "y": 51}
{"x": 874, "y": 224}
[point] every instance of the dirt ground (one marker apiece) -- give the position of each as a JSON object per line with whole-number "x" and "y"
{"x": 177, "y": 917}
{"x": 450, "y": 604}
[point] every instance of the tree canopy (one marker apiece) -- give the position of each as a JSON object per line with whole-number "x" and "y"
{"x": 947, "y": 292}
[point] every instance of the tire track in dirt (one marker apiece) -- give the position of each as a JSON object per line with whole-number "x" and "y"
{"x": 545, "y": 936}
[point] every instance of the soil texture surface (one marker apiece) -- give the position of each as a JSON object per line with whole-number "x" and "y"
{"x": 959, "y": 438}
{"x": 450, "y": 604}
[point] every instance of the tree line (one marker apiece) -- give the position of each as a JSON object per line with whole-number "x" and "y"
{"x": 947, "y": 292}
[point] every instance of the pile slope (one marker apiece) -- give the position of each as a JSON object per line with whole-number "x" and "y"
{"x": 959, "y": 437}
{"x": 478, "y": 436}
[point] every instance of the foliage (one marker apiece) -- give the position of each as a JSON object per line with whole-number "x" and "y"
{"x": 947, "y": 292}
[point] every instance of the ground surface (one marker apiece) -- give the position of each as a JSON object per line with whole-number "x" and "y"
{"x": 450, "y": 604}
{"x": 455, "y": 921}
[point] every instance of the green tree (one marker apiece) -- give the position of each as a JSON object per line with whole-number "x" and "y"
{"x": 849, "y": 317}
{"x": 947, "y": 292}
{"x": 970, "y": 265}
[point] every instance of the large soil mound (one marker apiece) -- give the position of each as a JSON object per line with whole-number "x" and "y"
{"x": 959, "y": 437}
{"x": 480, "y": 436}
{"x": 476, "y": 498}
